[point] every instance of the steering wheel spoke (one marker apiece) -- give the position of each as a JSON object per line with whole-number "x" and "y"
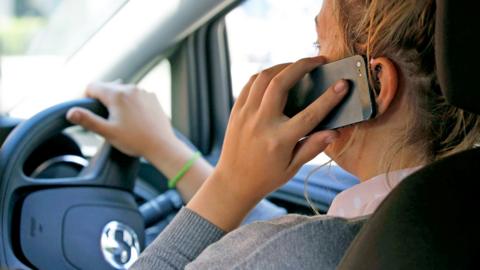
{"x": 26, "y": 181}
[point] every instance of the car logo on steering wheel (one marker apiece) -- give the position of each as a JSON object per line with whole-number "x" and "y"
{"x": 120, "y": 245}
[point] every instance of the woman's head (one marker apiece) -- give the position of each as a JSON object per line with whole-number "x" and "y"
{"x": 414, "y": 124}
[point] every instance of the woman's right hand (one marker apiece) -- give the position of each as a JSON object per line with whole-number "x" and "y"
{"x": 263, "y": 148}
{"x": 136, "y": 124}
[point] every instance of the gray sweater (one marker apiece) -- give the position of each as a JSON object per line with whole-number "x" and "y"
{"x": 289, "y": 242}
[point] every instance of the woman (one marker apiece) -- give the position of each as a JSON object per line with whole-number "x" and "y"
{"x": 263, "y": 148}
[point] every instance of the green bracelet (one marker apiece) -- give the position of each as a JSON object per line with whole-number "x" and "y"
{"x": 173, "y": 182}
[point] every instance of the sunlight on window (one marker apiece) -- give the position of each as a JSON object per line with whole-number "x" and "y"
{"x": 36, "y": 40}
{"x": 158, "y": 80}
{"x": 263, "y": 33}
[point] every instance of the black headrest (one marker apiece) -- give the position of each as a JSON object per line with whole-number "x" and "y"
{"x": 457, "y": 52}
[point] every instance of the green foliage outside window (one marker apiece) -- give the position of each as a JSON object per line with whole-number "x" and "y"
{"x": 16, "y": 34}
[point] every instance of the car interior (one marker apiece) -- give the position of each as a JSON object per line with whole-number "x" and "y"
{"x": 60, "y": 185}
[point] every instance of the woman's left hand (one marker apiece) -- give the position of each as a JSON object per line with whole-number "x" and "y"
{"x": 136, "y": 125}
{"x": 263, "y": 148}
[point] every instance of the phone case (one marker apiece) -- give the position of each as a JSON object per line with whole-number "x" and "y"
{"x": 357, "y": 106}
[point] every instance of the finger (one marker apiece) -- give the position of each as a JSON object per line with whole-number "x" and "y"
{"x": 309, "y": 148}
{"x": 105, "y": 91}
{"x": 90, "y": 121}
{"x": 306, "y": 120}
{"x": 242, "y": 98}
{"x": 277, "y": 91}
{"x": 101, "y": 91}
{"x": 261, "y": 83}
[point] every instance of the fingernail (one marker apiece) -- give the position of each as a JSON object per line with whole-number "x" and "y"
{"x": 330, "y": 139}
{"x": 340, "y": 87}
{"x": 319, "y": 58}
{"x": 95, "y": 84}
{"x": 92, "y": 84}
{"x": 73, "y": 115}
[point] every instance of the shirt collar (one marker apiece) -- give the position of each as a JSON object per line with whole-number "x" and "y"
{"x": 363, "y": 198}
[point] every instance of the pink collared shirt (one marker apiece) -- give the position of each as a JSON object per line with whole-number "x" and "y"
{"x": 362, "y": 199}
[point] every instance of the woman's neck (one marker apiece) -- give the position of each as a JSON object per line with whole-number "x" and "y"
{"x": 379, "y": 145}
{"x": 372, "y": 154}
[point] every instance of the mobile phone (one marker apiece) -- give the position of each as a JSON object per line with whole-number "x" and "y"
{"x": 359, "y": 104}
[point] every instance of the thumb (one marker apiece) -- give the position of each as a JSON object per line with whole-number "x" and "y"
{"x": 310, "y": 147}
{"x": 90, "y": 121}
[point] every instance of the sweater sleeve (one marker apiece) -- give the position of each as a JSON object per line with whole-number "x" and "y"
{"x": 180, "y": 243}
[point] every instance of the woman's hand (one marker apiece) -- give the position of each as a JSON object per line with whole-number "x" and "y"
{"x": 136, "y": 124}
{"x": 263, "y": 148}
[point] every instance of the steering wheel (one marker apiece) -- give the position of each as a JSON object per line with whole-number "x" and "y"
{"x": 89, "y": 221}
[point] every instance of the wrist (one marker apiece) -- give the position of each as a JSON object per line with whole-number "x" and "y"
{"x": 168, "y": 157}
{"x": 159, "y": 146}
{"x": 222, "y": 203}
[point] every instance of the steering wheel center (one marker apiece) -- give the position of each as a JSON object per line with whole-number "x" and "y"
{"x": 120, "y": 245}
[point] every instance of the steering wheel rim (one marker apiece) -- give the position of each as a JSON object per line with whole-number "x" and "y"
{"x": 107, "y": 182}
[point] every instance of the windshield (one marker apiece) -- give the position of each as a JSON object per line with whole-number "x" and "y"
{"x": 37, "y": 38}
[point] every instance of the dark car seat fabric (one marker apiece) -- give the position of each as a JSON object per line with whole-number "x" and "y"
{"x": 427, "y": 222}
{"x": 456, "y": 50}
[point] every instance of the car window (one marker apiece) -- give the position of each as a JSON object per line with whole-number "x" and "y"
{"x": 263, "y": 33}
{"x": 36, "y": 39}
{"x": 159, "y": 81}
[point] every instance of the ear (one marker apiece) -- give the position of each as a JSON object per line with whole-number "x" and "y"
{"x": 386, "y": 75}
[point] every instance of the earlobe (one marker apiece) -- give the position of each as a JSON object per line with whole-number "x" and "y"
{"x": 386, "y": 76}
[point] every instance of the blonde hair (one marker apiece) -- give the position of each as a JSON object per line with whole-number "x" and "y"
{"x": 403, "y": 31}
